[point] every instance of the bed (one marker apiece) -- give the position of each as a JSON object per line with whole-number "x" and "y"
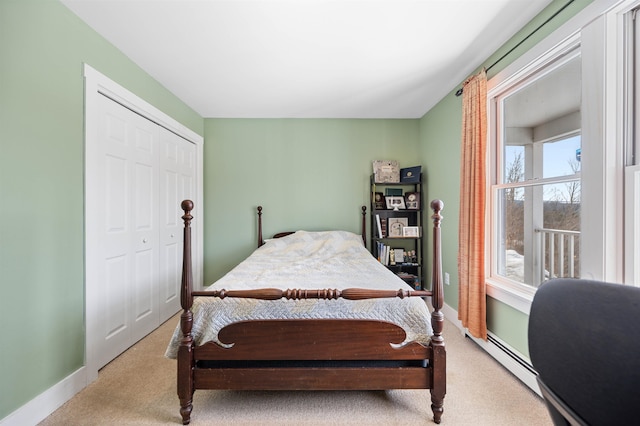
{"x": 310, "y": 311}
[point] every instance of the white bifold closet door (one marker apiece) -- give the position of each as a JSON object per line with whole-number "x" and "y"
{"x": 177, "y": 182}
{"x": 145, "y": 171}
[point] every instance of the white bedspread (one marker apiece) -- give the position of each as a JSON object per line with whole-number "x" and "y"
{"x": 307, "y": 260}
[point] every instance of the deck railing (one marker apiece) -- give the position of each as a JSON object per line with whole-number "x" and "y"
{"x": 559, "y": 253}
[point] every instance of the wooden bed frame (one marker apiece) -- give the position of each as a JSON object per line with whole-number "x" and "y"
{"x": 311, "y": 354}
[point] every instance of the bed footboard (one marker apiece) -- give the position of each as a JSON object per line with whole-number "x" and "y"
{"x": 324, "y": 339}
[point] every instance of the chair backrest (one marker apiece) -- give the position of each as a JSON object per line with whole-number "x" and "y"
{"x": 584, "y": 342}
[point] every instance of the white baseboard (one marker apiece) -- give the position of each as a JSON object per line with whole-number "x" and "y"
{"x": 452, "y": 316}
{"x": 510, "y": 359}
{"x": 36, "y": 410}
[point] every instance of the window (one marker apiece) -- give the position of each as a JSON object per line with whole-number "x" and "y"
{"x": 536, "y": 183}
{"x": 549, "y": 206}
{"x": 603, "y": 140}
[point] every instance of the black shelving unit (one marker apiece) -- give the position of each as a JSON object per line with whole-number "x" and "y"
{"x": 392, "y": 221}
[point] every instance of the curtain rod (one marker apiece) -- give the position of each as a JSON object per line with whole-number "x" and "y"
{"x": 459, "y": 91}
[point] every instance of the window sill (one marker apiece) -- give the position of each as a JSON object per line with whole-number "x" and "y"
{"x": 510, "y": 294}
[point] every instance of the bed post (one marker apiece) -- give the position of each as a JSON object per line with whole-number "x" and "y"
{"x": 437, "y": 318}
{"x": 260, "y": 240}
{"x": 364, "y": 225}
{"x": 185, "y": 350}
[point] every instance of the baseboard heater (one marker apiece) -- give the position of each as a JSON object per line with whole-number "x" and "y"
{"x": 510, "y": 359}
{"x": 517, "y": 358}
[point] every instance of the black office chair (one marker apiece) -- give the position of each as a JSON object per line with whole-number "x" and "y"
{"x": 584, "y": 342}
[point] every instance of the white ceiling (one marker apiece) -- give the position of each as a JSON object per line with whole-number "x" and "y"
{"x": 308, "y": 58}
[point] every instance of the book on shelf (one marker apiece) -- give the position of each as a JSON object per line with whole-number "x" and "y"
{"x": 381, "y": 225}
{"x": 393, "y": 256}
{"x": 380, "y": 252}
{"x": 393, "y": 192}
{"x": 386, "y": 171}
{"x": 386, "y": 254}
{"x": 410, "y": 174}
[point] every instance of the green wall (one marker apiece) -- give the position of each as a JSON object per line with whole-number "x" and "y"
{"x": 42, "y": 49}
{"x": 308, "y": 174}
{"x": 440, "y": 133}
{"x": 440, "y": 136}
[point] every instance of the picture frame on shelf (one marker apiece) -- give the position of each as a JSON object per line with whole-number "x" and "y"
{"x": 395, "y": 225}
{"x": 412, "y": 231}
{"x": 398, "y": 255}
{"x": 412, "y": 200}
{"x": 378, "y": 201}
{"x": 395, "y": 203}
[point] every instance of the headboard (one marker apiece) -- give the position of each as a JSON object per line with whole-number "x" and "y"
{"x": 363, "y": 231}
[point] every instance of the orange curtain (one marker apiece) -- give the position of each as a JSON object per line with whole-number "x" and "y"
{"x": 472, "y": 309}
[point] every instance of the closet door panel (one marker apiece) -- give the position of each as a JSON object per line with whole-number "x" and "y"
{"x": 177, "y": 166}
{"x": 128, "y": 218}
{"x": 145, "y": 242}
{"x": 171, "y": 245}
{"x": 114, "y": 279}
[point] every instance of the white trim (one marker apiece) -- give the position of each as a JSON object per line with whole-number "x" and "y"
{"x": 36, "y": 410}
{"x": 595, "y": 210}
{"x": 451, "y": 315}
{"x": 96, "y": 85}
{"x": 515, "y": 296}
{"x": 625, "y": 120}
{"x": 557, "y": 48}
{"x": 632, "y": 226}
{"x": 509, "y": 80}
{"x": 101, "y": 83}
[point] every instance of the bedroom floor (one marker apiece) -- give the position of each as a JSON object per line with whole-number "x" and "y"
{"x": 139, "y": 388}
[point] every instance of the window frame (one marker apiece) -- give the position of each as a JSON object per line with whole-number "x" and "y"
{"x": 609, "y": 204}
{"x": 517, "y": 295}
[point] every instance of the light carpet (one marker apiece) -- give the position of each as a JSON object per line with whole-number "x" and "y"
{"x": 139, "y": 388}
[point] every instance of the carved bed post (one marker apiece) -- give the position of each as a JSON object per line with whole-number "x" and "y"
{"x": 364, "y": 225}
{"x": 260, "y": 240}
{"x": 437, "y": 318}
{"x": 185, "y": 350}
